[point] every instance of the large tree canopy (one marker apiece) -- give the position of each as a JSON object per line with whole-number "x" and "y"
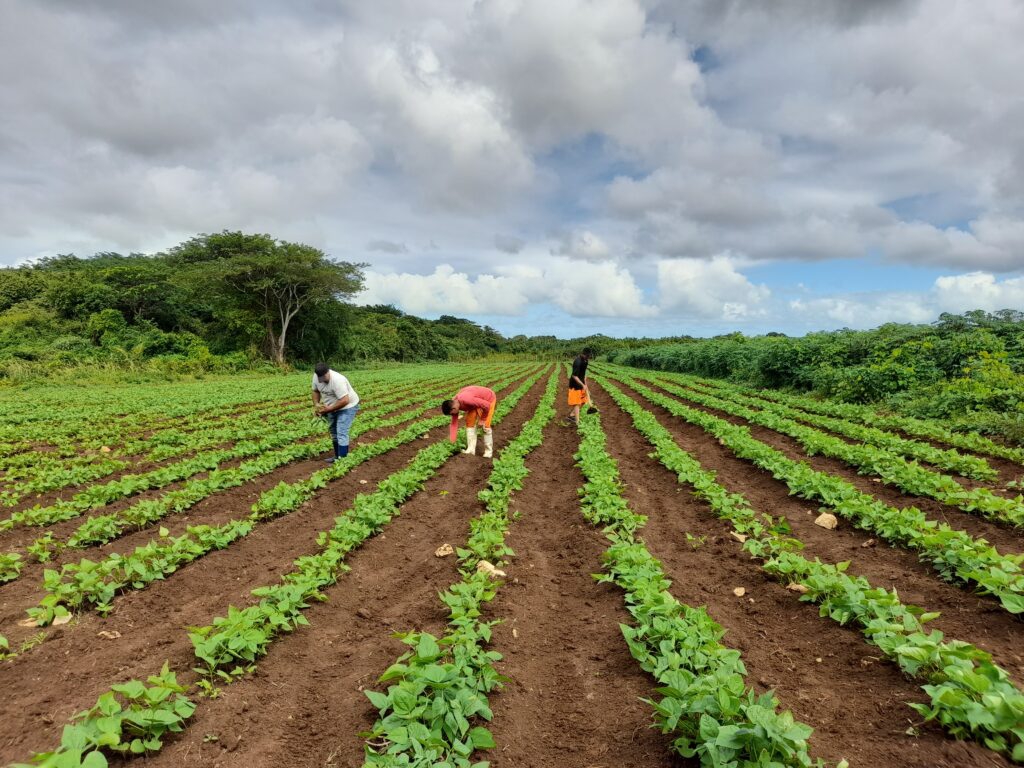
{"x": 259, "y": 285}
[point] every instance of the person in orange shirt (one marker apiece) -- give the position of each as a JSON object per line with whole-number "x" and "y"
{"x": 579, "y": 392}
{"x": 478, "y": 403}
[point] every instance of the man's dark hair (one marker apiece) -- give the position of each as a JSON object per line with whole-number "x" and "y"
{"x": 587, "y": 352}
{"x": 321, "y": 369}
{"x": 446, "y": 407}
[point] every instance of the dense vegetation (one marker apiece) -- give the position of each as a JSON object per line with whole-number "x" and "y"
{"x": 234, "y": 301}
{"x": 225, "y": 302}
{"x": 968, "y": 368}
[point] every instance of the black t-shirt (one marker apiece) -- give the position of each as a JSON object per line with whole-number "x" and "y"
{"x": 579, "y": 369}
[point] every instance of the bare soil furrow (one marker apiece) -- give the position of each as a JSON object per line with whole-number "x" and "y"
{"x": 965, "y": 615}
{"x": 827, "y": 675}
{"x": 304, "y": 705}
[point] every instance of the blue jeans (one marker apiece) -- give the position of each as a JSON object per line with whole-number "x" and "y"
{"x": 339, "y": 423}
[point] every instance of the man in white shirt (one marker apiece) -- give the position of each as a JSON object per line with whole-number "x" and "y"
{"x": 335, "y": 400}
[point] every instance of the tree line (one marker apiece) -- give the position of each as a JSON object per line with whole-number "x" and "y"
{"x": 227, "y": 301}
{"x": 968, "y": 368}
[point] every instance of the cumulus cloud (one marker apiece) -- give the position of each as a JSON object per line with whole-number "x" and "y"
{"x": 708, "y": 289}
{"x": 978, "y": 290}
{"x": 949, "y": 293}
{"x": 651, "y": 137}
{"x": 584, "y": 245}
{"x": 580, "y": 290}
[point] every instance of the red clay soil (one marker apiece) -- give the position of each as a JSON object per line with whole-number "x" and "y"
{"x": 965, "y": 615}
{"x": 304, "y": 705}
{"x": 299, "y": 710}
{"x": 65, "y": 674}
{"x": 22, "y": 536}
{"x": 826, "y": 674}
{"x": 1007, "y": 540}
{"x": 575, "y": 690}
{"x": 1008, "y": 470}
{"x": 216, "y": 509}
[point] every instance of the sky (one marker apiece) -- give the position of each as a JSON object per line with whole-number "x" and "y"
{"x": 567, "y": 167}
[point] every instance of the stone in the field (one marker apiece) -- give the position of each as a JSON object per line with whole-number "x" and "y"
{"x": 444, "y": 550}
{"x": 827, "y": 520}
{"x": 740, "y": 537}
{"x": 485, "y": 567}
{"x": 739, "y": 591}
{"x": 109, "y": 635}
{"x": 105, "y": 449}
{"x": 794, "y": 587}
{"x": 869, "y": 543}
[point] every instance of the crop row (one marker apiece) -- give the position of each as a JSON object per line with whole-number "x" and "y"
{"x": 230, "y": 645}
{"x": 52, "y": 472}
{"x": 705, "y": 702}
{"x": 955, "y": 555}
{"x": 930, "y": 430}
{"x": 195, "y": 433}
{"x": 94, "y": 584}
{"x": 101, "y": 529}
{"x": 97, "y": 496}
{"x": 104, "y": 528}
{"x": 439, "y": 688}
{"x": 944, "y": 458}
{"x": 970, "y": 696}
{"x": 894, "y": 470}
{"x": 121, "y": 411}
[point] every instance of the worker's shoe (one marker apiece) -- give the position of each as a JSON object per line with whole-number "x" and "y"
{"x": 470, "y": 440}
{"x": 331, "y": 459}
{"x": 488, "y": 443}
{"x": 342, "y": 451}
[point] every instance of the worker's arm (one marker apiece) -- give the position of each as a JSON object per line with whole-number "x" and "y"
{"x": 453, "y": 428}
{"x": 336, "y": 406}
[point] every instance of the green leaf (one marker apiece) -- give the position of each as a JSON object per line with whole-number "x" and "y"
{"x": 481, "y": 738}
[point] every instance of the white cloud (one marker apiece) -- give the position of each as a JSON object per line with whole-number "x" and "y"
{"x": 584, "y": 245}
{"x": 645, "y": 130}
{"x": 708, "y": 289}
{"x": 978, "y": 290}
{"x": 600, "y": 289}
{"x": 444, "y": 291}
{"x": 950, "y": 293}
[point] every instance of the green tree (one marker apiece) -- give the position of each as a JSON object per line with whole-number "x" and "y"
{"x": 257, "y": 282}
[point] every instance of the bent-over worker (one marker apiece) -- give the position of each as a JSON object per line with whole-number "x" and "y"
{"x": 335, "y": 400}
{"x": 478, "y": 403}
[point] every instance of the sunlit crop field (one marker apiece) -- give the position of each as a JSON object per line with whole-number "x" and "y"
{"x": 699, "y": 574}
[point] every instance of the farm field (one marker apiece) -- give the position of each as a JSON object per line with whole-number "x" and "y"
{"x": 699, "y": 575}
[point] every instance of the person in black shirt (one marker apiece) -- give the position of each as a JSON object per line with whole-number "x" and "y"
{"x": 579, "y": 394}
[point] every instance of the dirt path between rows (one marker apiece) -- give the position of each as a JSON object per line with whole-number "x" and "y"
{"x": 965, "y": 615}
{"x": 575, "y": 690}
{"x": 65, "y": 674}
{"x": 304, "y": 706}
{"x": 215, "y": 509}
{"x": 1004, "y": 538}
{"x": 827, "y": 675}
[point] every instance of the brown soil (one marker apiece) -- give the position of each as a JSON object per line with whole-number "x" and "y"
{"x": 826, "y": 674}
{"x": 1005, "y": 539}
{"x": 574, "y": 699}
{"x": 965, "y": 616}
{"x": 304, "y": 705}
{"x": 216, "y": 509}
{"x": 574, "y": 693}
